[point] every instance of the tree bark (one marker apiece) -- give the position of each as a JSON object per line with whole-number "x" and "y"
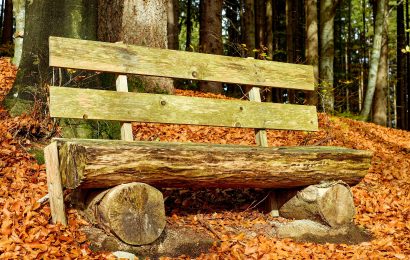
{"x": 248, "y": 34}
{"x": 140, "y": 23}
{"x": 103, "y": 163}
{"x": 173, "y": 30}
{"x": 382, "y": 82}
{"x": 45, "y": 18}
{"x": 327, "y": 17}
{"x": 133, "y": 212}
{"x": 328, "y": 203}
{"x": 210, "y": 36}
{"x": 188, "y": 24}
{"x": 19, "y": 11}
{"x": 312, "y": 46}
{"x": 401, "y": 68}
{"x": 374, "y": 60}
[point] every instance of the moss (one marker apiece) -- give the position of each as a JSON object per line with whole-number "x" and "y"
{"x": 72, "y": 128}
{"x": 38, "y": 154}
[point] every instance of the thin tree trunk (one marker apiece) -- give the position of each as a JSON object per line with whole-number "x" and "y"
{"x": 188, "y": 23}
{"x": 7, "y": 35}
{"x": 312, "y": 47}
{"x": 19, "y": 10}
{"x": 269, "y": 28}
{"x": 1, "y": 13}
{"x": 260, "y": 12}
{"x": 232, "y": 9}
{"x": 248, "y": 34}
{"x": 173, "y": 31}
{"x": 407, "y": 107}
{"x": 401, "y": 66}
{"x": 210, "y": 36}
{"x": 374, "y": 61}
{"x": 327, "y": 16}
{"x": 380, "y": 100}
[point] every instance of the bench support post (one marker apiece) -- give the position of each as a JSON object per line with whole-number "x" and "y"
{"x": 55, "y": 188}
{"x": 121, "y": 84}
{"x": 262, "y": 140}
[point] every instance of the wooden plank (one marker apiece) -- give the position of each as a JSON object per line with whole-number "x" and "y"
{"x": 105, "y": 163}
{"x": 143, "y": 107}
{"x": 260, "y": 134}
{"x": 121, "y": 84}
{"x": 131, "y": 59}
{"x": 55, "y": 188}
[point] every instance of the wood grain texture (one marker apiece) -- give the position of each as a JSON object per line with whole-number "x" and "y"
{"x": 121, "y": 85}
{"x": 134, "y": 212}
{"x": 329, "y": 203}
{"x": 131, "y": 59}
{"x": 55, "y": 188}
{"x": 142, "y": 107}
{"x": 260, "y": 134}
{"x": 104, "y": 163}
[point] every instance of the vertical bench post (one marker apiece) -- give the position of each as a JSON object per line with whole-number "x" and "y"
{"x": 55, "y": 187}
{"x": 262, "y": 140}
{"x": 126, "y": 128}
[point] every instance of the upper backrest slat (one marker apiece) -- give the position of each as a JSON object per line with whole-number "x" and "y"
{"x": 131, "y": 59}
{"x": 156, "y": 108}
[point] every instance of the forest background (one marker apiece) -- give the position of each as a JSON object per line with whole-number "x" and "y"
{"x": 358, "y": 47}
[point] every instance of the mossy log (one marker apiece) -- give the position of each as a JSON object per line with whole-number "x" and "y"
{"x": 329, "y": 203}
{"x": 105, "y": 163}
{"x": 133, "y": 212}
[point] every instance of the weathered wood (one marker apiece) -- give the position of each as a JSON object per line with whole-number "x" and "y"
{"x": 134, "y": 212}
{"x": 131, "y": 59}
{"x": 260, "y": 134}
{"x": 142, "y": 107}
{"x": 121, "y": 84}
{"x": 104, "y": 163}
{"x": 55, "y": 188}
{"x": 330, "y": 203}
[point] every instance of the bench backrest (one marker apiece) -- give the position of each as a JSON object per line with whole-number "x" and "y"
{"x": 160, "y": 108}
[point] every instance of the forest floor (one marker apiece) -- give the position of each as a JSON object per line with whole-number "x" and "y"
{"x": 382, "y": 198}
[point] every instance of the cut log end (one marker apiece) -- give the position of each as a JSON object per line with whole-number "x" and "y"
{"x": 134, "y": 212}
{"x": 329, "y": 203}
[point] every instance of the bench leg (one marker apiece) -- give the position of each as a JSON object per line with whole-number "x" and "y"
{"x": 272, "y": 203}
{"x": 55, "y": 188}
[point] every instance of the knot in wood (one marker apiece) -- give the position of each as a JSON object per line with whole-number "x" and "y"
{"x": 85, "y": 116}
{"x": 237, "y": 124}
{"x": 194, "y": 74}
{"x": 163, "y": 102}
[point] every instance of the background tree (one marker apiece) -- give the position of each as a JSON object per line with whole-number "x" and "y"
{"x": 312, "y": 46}
{"x": 210, "y": 36}
{"x": 7, "y": 32}
{"x": 375, "y": 59}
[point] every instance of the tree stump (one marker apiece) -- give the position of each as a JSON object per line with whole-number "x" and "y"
{"x": 133, "y": 212}
{"x": 330, "y": 203}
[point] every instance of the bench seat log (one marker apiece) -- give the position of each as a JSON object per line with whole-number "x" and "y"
{"x": 131, "y": 59}
{"x": 105, "y": 163}
{"x": 157, "y": 108}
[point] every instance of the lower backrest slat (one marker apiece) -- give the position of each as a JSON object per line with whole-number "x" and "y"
{"x": 157, "y": 108}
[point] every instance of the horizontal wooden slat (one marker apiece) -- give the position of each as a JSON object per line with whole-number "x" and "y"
{"x": 131, "y": 59}
{"x": 143, "y": 107}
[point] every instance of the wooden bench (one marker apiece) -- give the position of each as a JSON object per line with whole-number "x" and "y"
{"x": 84, "y": 164}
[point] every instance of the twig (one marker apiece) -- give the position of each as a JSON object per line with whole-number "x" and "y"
{"x": 209, "y": 227}
{"x": 43, "y": 199}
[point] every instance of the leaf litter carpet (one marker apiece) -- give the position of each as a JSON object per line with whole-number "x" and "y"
{"x": 382, "y": 199}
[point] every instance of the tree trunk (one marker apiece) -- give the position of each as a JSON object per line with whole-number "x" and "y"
{"x": 401, "y": 68}
{"x": 140, "y": 23}
{"x": 7, "y": 35}
{"x": 248, "y": 34}
{"x": 374, "y": 60}
{"x": 210, "y": 36}
{"x": 328, "y": 203}
{"x": 327, "y": 52}
{"x": 19, "y": 10}
{"x": 260, "y": 14}
{"x": 103, "y": 163}
{"x": 312, "y": 46}
{"x": 269, "y": 28}
{"x": 133, "y": 212}
{"x": 290, "y": 28}
{"x": 45, "y": 18}
{"x": 382, "y": 83}
{"x": 188, "y": 24}
{"x": 232, "y": 9}
{"x": 173, "y": 30}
